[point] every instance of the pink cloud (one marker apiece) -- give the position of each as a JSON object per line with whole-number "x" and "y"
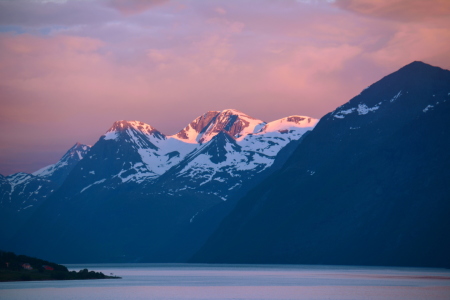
{"x": 416, "y": 42}
{"x": 220, "y": 11}
{"x": 402, "y": 10}
{"x": 307, "y": 67}
{"x": 168, "y": 65}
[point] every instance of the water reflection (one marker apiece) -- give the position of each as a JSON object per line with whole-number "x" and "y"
{"x": 175, "y": 281}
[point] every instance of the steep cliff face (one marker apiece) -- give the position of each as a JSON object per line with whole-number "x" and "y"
{"x": 192, "y": 130}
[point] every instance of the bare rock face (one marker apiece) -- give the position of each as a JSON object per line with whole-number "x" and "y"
{"x": 228, "y": 121}
{"x": 299, "y": 119}
{"x": 196, "y": 126}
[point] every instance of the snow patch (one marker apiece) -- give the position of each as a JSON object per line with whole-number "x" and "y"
{"x": 396, "y": 96}
{"x": 347, "y": 111}
{"x": 234, "y": 186}
{"x": 428, "y": 108}
{"x": 111, "y": 135}
{"x": 18, "y": 179}
{"x": 163, "y": 160}
{"x": 340, "y": 114}
{"x": 364, "y": 109}
{"x": 73, "y": 155}
{"x": 259, "y": 127}
{"x": 97, "y": 182}
{"x": 289, "y": 123}
{"x": 192, "y": 219}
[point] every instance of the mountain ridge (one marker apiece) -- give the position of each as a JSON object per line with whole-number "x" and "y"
{"x": 368, "y": 186}
{"x": 136, "y": 172}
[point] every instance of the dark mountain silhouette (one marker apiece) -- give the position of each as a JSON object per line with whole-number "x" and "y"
{"x": 370, "y": 185}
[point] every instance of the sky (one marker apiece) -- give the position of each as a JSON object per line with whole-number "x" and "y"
{"x": 69, "y": 69}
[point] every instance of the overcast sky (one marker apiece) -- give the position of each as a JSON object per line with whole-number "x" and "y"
{"x": 69, "y": 69}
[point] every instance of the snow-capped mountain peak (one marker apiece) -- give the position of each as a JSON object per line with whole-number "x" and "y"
{"x": 77, "y": 151}
{"x": 190, "y": 133}
{"x": 137, "y": 125}
{"x": 231, "y": 121}
{"x": 225, "y": 143}
{"x": 218, "y": 148}
{"x": 58, "y": 172}
{"x": 130, "y": 127}
{"x": 234, "y": 148}
{"x": 286, "y": 124}
{"x": 132, "y": 151}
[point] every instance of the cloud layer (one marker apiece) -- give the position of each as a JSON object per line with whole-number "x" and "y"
{"x": 69, "y": 69}
{"x": 399, "y": 10}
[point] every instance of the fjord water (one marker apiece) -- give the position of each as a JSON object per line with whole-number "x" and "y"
{"x": 181, "y": 281}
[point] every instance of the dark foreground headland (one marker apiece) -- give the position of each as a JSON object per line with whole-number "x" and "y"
{"x": 25, "y": 268}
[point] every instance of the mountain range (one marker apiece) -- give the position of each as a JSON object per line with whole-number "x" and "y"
{"x": 21, "y": 193}
{"x": 141, "y": 180}
{"x": 368, "y": 184}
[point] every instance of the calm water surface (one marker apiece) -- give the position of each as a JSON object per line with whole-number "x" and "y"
{"x": 181, "y": 281}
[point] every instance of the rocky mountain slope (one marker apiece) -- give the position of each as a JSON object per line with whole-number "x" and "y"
{"x": 370, "y": 185}
{"x": 21, "y": 193}
{"x": 136, "y": 190}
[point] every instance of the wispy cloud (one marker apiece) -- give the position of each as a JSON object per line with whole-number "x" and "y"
{"x": 400, "y": 10}
{"x": 166, "y": 62}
